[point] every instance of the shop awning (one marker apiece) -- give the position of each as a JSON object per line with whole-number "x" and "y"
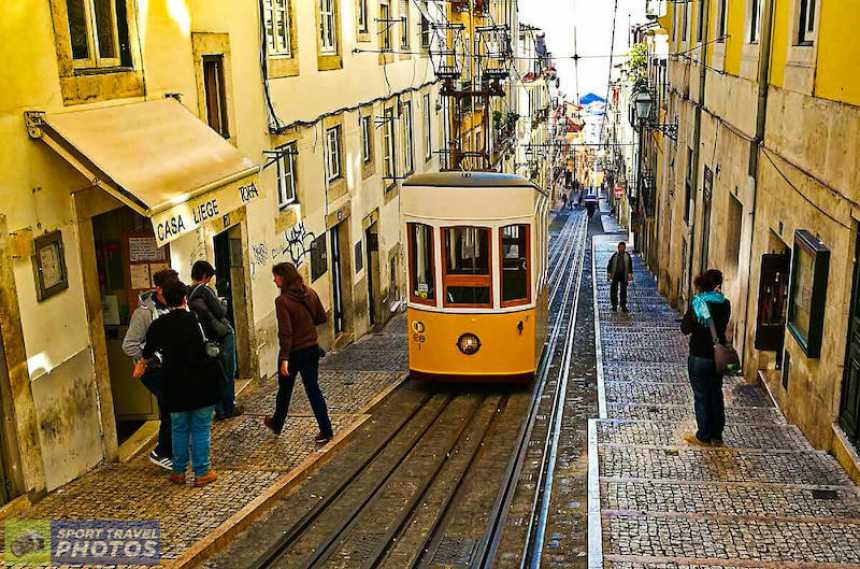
{"x": 159, "y": 159}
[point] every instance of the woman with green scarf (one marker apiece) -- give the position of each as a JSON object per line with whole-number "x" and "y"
{"x": 707, "y": 305}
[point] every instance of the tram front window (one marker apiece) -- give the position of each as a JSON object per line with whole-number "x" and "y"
{"x": 421, "y": 262}
{"x": 467, "y": 266}
{"x": 515, "y": 264}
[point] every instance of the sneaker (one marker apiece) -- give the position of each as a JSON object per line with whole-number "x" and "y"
{"x": 693, "y": 440}
{"x": 162, "y": 461}
{"x": 322, "y": 439}
{"x": 234, "y": 412}
{"x": 177, "y": 478}
{"x": 207, "y": 478}
{"x": 271, "y": 426}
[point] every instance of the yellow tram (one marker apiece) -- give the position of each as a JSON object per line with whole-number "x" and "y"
{"x": 477, "y": 271}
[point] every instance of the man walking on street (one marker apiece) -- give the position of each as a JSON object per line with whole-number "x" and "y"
{"x": 151, "y": 305}
{"x": 619, "y": 272}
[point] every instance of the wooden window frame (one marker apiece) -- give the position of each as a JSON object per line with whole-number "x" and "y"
{"x": 335, "y": 153}
{"x": 528, "y": 256}
{"x": 466, "y": 280}
{"x": 288, "y": 153}
{"x": 221, "y": 95}
{"x": 410, "y": 241}
{"x": 95, "y": 60}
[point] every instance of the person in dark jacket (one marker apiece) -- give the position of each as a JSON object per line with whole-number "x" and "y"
{"x": 619, "y": 272}
{"x": 190, "y": 383}
{"x": 212, "y": 313}
{"x": 299, "y": 311}
{"x": 151, "y": 305}
{"x": 707, "y": 305}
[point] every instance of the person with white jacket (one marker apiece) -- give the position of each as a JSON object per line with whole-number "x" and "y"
{"x": 151, "y": 305}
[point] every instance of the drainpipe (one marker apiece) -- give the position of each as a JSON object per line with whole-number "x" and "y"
{"x": 765, "y": 47}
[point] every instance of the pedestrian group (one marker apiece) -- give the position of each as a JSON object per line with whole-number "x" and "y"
{"x": 184, "y": 348}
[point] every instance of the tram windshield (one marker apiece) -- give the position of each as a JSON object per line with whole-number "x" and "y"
{"x": 467, "y": 266}
{"x": 421, "y": 262}
{"x": 515, "y": 264}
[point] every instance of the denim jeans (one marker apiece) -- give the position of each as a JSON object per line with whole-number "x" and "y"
{"x": 228, "y": 364}
{"x": 152, "y": 381}
{"x": 192, "y": 428}
{"x": 710, "y": 408}
{"x": 613, "y": 290}
{"x": 307, "y": 363}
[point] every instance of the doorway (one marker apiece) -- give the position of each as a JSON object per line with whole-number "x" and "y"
{"x": 371, "y": 239}
{"x": 337, "y": 281}
{"x": 849, "y": 409}
{"x": 230, "y": 285}
{"x": 707, "y": 192}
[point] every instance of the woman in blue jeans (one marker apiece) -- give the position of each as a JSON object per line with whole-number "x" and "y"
{"x": 708, "y": 305}
{"x": 191, "y": 384}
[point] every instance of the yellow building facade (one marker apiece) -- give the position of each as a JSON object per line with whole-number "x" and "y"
{"x": 760, "y": 184}
{"x": 141, "y": 134}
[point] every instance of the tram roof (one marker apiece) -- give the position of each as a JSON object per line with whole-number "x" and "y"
{"x": 470, "y": 180}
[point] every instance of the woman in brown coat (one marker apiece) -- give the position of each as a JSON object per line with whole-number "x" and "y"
{"x": 299, "y": 311}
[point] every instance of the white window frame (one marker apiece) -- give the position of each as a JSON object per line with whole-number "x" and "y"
{"x": 328, "y": 26}
{"x": 286, "y": 172}
{"x": 754, "y": 21}
{"x": 722, "y": 20}
{"x": 424, "y": 28}
{"x": 385, "y": 26}
{"x": 389, "y": 157}
{"x": 805, "y": 18}
{"x": 408, "y": 140}
{"x": 274, "y": 8}
{"x": 333, "y": 153}
{"x": 366, "y": 134}
{"x": 95, "y": 60}
{"x": 363, "y": 20}
{"x": 404, "y": 24}
{"x": 428, "y": 129}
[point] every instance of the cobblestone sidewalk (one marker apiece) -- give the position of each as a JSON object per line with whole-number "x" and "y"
{"x": 249, "y": 460}
{"x": 767, "y": 500}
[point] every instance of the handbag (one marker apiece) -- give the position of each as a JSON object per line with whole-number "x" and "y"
{"x": 210, "y": 347}
{"x": 726, "y": 357}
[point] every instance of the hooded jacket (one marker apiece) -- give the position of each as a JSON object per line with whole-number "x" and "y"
{"x": 298, "y": 312}
{"x": 148, "y": 309}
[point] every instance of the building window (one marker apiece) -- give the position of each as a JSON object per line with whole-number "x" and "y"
{"x": 215, "y": 94}
{"x": 332, "y": 153}
{"x": 700, "y": 22}
{"x": 362, "y": 16}
{"x": 675, "y": 12}
{"x": 94, "y": 30}
{"x": 466, "y": 263}
{"x": 722, "y": 17}
{"x": 686, "y": 17}
{"x": 385, "y": 26}
{"x": 515, "y": 269}
{"x": 286, "y": 163}
{"x": 806, "y": 29}
{"x": 366, "y": 140}
{"x": 388, "y": 156}
{"x": 408, "y": 142}
{"x": 328, "y": 32}
{"x": 277, "y": 21}
{"x": 755, "y": 20}
{"x": 688, "y": 187}
{"x": 404, "y": 24}
{"x": 421, "y": 282}
{"x": 428, "y": 129}
{"x": 426, "y": 31}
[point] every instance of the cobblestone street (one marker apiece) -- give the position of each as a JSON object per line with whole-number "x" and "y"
{"x": 765, "y": 500}
{"x": 252, "y": 464}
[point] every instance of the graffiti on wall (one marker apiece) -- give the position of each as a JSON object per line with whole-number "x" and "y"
{"x": 293, "y": 247}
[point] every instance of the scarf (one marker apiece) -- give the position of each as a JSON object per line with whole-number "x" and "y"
{"x": 700, "y": 305}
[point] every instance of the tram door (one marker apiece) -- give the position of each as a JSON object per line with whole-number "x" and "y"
{"x": 337, "y": 281}
{"x": 849, "y": 412}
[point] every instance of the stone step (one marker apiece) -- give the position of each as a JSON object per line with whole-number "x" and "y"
{"x": 735, "y": 392}
{"x": 720, "y": 465}
{"x": 684, "y": 413}
{"x": 731, "y": 499}
{"x": 735, "y": 436}
{"x": 697, "y": 537}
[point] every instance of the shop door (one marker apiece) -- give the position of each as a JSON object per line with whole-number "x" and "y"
{"x": 337, "y": 280}
{"x": 230, "y": 285}
{"x": 371, "y": 238}
{"x": 849, "y": 412}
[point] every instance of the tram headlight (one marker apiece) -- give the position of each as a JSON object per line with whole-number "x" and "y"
{"x": 468, "y": 344}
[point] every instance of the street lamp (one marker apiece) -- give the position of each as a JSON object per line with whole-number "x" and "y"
{"x": 643, "y": 105}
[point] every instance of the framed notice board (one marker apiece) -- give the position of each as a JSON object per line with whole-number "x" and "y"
{"x": 808, "y": 293}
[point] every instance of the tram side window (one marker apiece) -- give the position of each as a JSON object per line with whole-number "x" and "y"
{"x": 421, "y": 263}
{"x": 467, "y": 266}
{"x": 515, "y": 264}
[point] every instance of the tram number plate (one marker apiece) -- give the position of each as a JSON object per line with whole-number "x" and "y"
{"x": 419, "y": 338}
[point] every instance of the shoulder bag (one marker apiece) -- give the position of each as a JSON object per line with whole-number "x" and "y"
{"x": 725, "y": 357}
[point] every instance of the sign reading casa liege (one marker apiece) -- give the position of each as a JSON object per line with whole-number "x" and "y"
{"x": 188, "y": 216}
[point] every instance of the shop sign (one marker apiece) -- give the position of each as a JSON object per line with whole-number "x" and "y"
{"x": 188, "y": 216}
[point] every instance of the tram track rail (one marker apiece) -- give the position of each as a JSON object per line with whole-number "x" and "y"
{"x": 397, "y": 505}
